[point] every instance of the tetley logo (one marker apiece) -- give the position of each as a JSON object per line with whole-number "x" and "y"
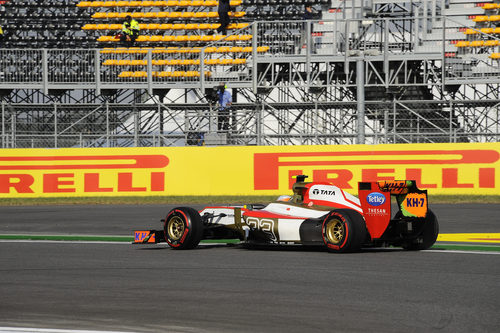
{"x": 375, "y": 199}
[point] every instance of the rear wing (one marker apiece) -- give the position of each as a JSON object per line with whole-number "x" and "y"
{"x": 375, "y": 198}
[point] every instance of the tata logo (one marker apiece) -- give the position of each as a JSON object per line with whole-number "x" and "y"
{"x": 322, "y": 192}
{"x": 375, "y": 199}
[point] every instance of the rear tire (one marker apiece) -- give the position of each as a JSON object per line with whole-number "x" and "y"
{"x": 428, "y": 236}
{"x": 183, "y": 228}
{"x": 343, "y": 230}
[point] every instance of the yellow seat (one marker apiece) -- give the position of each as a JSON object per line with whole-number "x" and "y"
{"x": 489, "y": 6}
{"x": 233, "y": 37}
{"x": 191, "y": 26}
{"x": 172, "y": 3}
{"x": 480, "y": 18}
{"x": 181, "y": 38}
{"x": 126, "y": 74}
{"x": 191, "y": 74}
{"x": 203, "y": 26}
{"x": 212, "y": 14}
{"x": 147, "y": 3}
{"x": 223, "y": 49}
{"x": 134, "y": 3}
{"x": 237, "y": 14}
{"x": 152, "y": 26}
{"x": 122, "y": 3}
{"x": 187, "y": 14}
{"x": 495, "y": 56}
{"x": 149, "y": 15}
{"x": 210, "y": 49}
{"x": 174, "y": 14}
{"x": 210, "y": 3}
{"x": 83, "y": 4}
{"x": 214, "y": 26}
{"x": 102, "y": 27}
{"x": 168, "y": 38}
{"x": 200, "y": 15}
{"x": 494, "y": 18}
{"x": 174, "y": 62}
{"x": 234, "y": 3}
{"x": 122, "y": 15}
{"x": 245, "y": 37}
{"x": 110, "y": 62}
{"x": 206, "y": 38}
{"x": 177, "y": 74}
{"x": 462, "y": 43}
{"x": 162, "y": 14}
{"x": 178, "y": 26}
{"x": 136, "y": 14}
{"x": 491, "y": 42}
{"x": 476, "y": 43}
{"x": 109, "y": 4}
{"x": 183, "y": 3}
{"x": 211, "y": 62}
{"x": 496, "y": 30}
{"x": 138, "y": 62}
{"x": 164, "y": 74}
{"x": 196, "y": 3}
{"x": 123, "y": 62}
{"x": 96, "y": 4}
{"x": 140, "y": 74}
{"x": 105, "y": 39}
{"x": 142, "y": 39}
{"x": 226, "y": 61}
{"x": 99, "y": 15}
{"x": 160, "y": 4}
{"x": 236, "y": 49}
{"x": 486, "y": 30}
{"x": 239, "y": 61}
{"x": 114, "y": 26}
{"x": 193, "y": 38}
{"x": 159, "y": 62}
{"x": 156, "y": 39}
{"x": 186, "y": 62}
{"x": 89, "y": 26}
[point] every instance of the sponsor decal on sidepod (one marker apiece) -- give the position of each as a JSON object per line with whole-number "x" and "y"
{"x": 375, "y": 199}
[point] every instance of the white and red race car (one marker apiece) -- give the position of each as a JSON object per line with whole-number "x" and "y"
{"x": 317, "y": 213}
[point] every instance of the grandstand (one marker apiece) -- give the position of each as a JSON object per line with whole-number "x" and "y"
{"x": 372, "y": 71}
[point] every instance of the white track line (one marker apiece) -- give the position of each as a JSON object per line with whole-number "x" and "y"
{"x": 49, "y": 330}
{"x": 464, "y": 251}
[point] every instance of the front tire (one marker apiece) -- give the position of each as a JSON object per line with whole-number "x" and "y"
{"x": 183, "y": 228}
{"x": 343, "y": 230}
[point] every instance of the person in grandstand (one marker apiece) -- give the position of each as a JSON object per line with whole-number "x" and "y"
{"x": 223, "y": 11}
{"x": 224, "y": 101}
{"x": 308, "y": 13}
{"x": 130, "y": 31}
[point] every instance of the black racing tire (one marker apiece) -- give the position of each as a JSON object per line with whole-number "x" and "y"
{"x": 183, "y": 228}
{"x": 429, "y": 234}
{"x": 343, "y": 230}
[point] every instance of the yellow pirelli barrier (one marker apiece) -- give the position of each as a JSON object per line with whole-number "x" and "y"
{"x": 174, "y": 171}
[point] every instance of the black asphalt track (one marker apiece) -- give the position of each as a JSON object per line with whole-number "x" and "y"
{"x": 233, "y": 289}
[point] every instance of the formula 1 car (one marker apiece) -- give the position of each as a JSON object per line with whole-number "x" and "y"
{"x": 317, "y": 213}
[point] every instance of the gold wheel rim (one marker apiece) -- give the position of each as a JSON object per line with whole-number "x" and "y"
{"x": 334, "y": 231}
{"x": 175, "y": 228}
